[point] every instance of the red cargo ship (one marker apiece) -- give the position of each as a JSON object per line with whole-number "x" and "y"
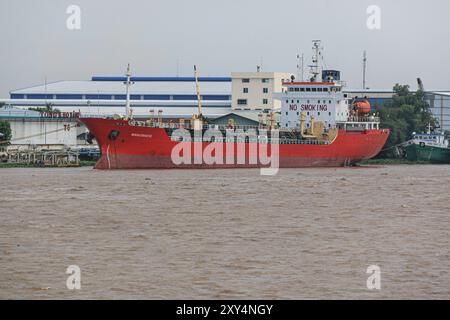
{"x": 318, "y": 127}
{"x": 126, "y": 145}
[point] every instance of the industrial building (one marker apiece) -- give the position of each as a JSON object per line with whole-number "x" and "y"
{"x": 440, "y": 107}
{"x": 31, "y": 128}
{"x": 173, "y": 97}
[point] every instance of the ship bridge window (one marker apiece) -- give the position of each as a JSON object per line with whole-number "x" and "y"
{"x": 297, "y": 89}
{"x": 308, "y": 89}
{"x": 314, "y": 89}
{"x": 325, "y": 89}
{"x": 319, "y": 89}
{"x": 302, "y": 89}
{"x": 291, "y": 89}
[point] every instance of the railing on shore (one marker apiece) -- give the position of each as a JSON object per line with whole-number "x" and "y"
{"x": 53, "y": 158}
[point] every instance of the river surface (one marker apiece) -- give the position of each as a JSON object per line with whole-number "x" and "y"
{"x": 226, "y": 234}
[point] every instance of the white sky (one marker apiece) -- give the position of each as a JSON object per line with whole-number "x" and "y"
{"x": 223, "y": 36}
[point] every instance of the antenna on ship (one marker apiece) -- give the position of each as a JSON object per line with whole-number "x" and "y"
{"x": 128, "y": 111}
{"x": 300, "y": 66}
{"x": 316, "y": 59}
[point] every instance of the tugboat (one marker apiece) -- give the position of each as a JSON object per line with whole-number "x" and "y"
{"x": 431, "y": 146}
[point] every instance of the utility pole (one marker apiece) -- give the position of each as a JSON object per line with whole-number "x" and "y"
{"x": 364, "y": 69}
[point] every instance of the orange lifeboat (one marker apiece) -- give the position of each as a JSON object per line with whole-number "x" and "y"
{"x": 362, "y": 107}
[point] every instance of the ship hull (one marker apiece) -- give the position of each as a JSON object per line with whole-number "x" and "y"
{"x": 416, "y": 152}
{"x": 138, "y": 147}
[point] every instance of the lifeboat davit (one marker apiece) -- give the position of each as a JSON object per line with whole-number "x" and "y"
{"x": 362, "y": 107}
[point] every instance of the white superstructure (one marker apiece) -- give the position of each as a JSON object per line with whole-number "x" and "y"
{"x": 324, "y": 101}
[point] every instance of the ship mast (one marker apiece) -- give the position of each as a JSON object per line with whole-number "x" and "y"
{"x": 197, "y": 119}
{"x": 128, "y": 110}
{"x": 199, "y": 98}
{"x": 317, "y": 55}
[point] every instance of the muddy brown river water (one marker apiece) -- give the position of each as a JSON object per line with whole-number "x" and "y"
{"x": 225, "y": 234}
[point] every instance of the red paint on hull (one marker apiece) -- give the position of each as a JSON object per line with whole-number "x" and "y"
{"x": 148, "y": 148}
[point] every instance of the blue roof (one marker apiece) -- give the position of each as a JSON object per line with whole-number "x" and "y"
{"x": 171, "y": 79}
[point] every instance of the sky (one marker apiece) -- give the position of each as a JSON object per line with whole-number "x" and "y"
{"x": 167, "y": 37}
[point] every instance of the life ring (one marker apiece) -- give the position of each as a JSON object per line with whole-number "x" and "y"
{"x": 422, "y": 144}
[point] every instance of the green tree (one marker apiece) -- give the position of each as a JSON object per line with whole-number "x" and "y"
{"x": 48, "y": 108}
{"x": 406, "y": 113}
{"x": 5, "y": 130}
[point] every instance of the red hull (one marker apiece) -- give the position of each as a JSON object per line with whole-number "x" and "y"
{"x": 148, "y": 148}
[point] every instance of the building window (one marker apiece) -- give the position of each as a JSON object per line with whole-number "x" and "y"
{"x": 245, "y": 90}
{"x": 245, "y": 80}
{"x": 265, "y": 80}
{"x": 265, "y": 101}
{"x": 242, "y": 102}
{"x": 287, "y": 101}
{"x": 286, "y": 113}
{"x": 265, "y": 90}
{"x": 329, "y": 113}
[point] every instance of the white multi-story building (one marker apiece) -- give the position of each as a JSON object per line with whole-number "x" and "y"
{"x": 255, "y": 90}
